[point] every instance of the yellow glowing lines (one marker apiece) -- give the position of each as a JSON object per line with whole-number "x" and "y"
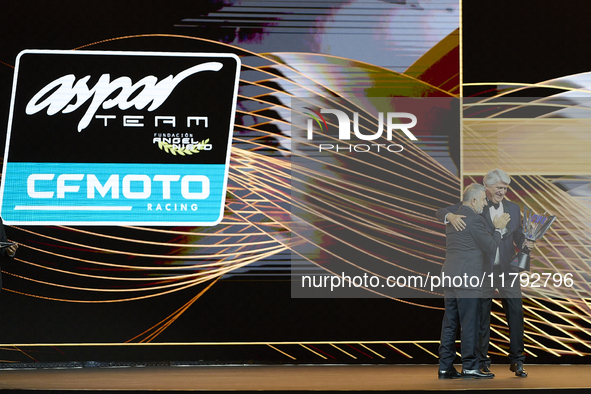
{"x": 166, "y": 278}
{"x": 271, "y": 120}
{"x": 371, "y": 350}
{"x": 414, "y": 150}
{"x": 6, "y": 64}
{"x": 382, "y": 181}
{"x": 495, "y": 329}
{"x": 570, "y": 312}
{"x": 258, "y": 185}
{"x": 411, "y": 169}
{"x": 522, "y": 86}
{"x": 228, "y": 267}
{"x": 455, "y": 87}
{"x": 258, "y": 84}
{"x": 482, "y": 143}
{"x": 232, "y": 343}
{"x": 553, "y": 247}
{"x": 555, "y": 232}
{"x": 171, "y": 36}
{"x": 408, "y": 251}
{"x": 258, "y": 100}
{"x": 277, "y": 173}
{"x": 96, "y": 276}
{"x": 255, "y": 143}
{"x": 154, "y": 268}
{"x": 135, "y": 254}
{"x": 334, "y": 182}
{"x": 541, "y": 319}
{"x": 307, "y": 348}
{"x": 176, "y": 245}
{"x": 428, "y": 351}
{"x": 305, "y": 206}
{"x": 418, "y": 153}
{"x": 168, "y": 257}
{"x": 348, "y": 354}
{"x": 268, "y": 57}
{"x": 540, "y": 346}
{"x": 398, "y": 350}
{"x": 201, "y": 234}
{"x": 280, "y": 351}
{"x": 469, "y": 153}
{"x": 26, "y": 354}
{"x": 390, "y": 172}
{"x": 516, "y": 106}
{"x": 358, "y": 63}
{"x": 352, "y": 264}
{"x": 164, "y": 324}
{"x": 500, "y": 349}
{"x": 574, "y": 208}
{"x": 563, "y": 328}
{"x": 371, "y": 290}
{"x": 123, "y": 290}
{"x": 355, "y": 247}
{"x": 184, "y": 286}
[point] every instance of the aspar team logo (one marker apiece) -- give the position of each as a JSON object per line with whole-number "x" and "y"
{"x": 148, "y": 138}
{"x": 67, "y": 94}
{"x": 392, "y": 121}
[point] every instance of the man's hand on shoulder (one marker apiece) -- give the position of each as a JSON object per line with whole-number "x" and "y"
{"x": 456, "y": 221}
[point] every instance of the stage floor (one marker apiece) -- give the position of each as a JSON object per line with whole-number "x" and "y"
{"x": 294, "y": 378}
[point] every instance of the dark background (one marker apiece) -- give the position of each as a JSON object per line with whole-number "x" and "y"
{"x": 504, "y": 41}
{"x": 524, "y": 41}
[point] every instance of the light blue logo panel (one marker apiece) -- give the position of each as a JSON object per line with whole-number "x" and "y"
{"x": 98, "y": 193}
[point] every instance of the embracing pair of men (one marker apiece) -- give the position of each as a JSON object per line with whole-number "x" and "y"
{"x": 483, "y": 233}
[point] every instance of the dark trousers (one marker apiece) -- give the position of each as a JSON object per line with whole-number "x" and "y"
{"x": 513, "y": 307}
{"x": 462, "y": 311}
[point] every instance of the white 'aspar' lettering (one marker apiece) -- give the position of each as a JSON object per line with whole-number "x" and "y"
{"x": 63, "y": 90}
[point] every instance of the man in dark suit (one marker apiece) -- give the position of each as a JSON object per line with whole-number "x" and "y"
{"x": 498, "y": 263}
{"x": 7, "y": 252}
{"x": 462, "y": 275}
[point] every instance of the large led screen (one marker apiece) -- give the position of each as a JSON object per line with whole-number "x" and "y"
{"x": 86, "y": 288}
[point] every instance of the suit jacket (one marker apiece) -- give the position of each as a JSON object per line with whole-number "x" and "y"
{"x": 466, "y": 250}
{"x": 512, "y": 239}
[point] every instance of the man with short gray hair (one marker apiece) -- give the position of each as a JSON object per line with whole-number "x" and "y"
{"x": 498, "y": 267}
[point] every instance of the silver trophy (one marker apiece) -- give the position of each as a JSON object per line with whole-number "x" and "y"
{"x": 534, "y": 228}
